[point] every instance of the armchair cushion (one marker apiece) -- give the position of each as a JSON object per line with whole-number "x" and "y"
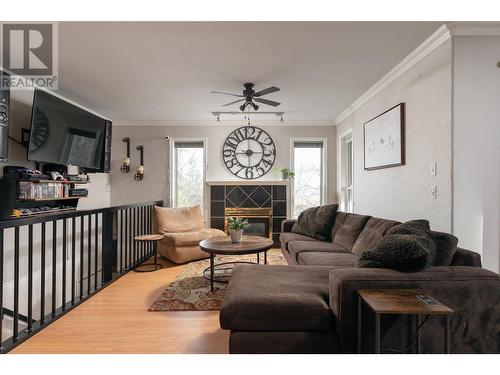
{"x": 191, "y": 238}
{"x": 184, "y": 219}
{"x": 328, "y": 259}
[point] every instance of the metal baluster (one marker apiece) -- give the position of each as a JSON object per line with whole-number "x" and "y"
{"x": 134, "y": 231}
{"x": 54, "y": 266}
{"x": 73, "y": 258}
{"x": 30, "y": 277}
{"x": 63, "y": 306}
{"x": 143, "y": 253}
{"x": 121, "y": 241}
{"x": 42, "y": 275}
{"x": 96, "y": 254}
{"x": 127, "y": 234}
{"x": 82, "y": 238}
{"x": 15, "y": 323}
{"x": 1, "y": 286}
{"x": 130, "y": 238}
{"x": 89, "y": 248}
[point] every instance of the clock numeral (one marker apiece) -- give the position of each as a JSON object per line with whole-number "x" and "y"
{"x": 249, "y": 173}
{"x": 267, "y": 152}
{"x": 232, "y": 162}
{"x": 261, "y": 171}
{"x": 267, "y": 141}
{"x": 267, "y": 163}
{"x": 229, "y": 153}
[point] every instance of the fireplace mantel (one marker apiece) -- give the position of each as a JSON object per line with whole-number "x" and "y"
{"x": 248, "y": 182}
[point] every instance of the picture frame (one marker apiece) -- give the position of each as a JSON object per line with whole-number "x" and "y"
{"x": 384, "y": 139}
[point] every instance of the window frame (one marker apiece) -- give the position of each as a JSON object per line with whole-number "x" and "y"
{"x": 342, "y": 171}
{"x": 173, "y": 168}
{"x": 324, "y": 169}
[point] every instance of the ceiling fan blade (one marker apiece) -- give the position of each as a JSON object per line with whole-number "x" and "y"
{"x": 268, "y": 102}
{"x": 266, "y": 91}
{"x": 237, "y": 101}
{"x": 226, "y": 93}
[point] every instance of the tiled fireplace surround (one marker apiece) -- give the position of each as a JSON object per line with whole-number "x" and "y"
{"x": 264, "y": 204}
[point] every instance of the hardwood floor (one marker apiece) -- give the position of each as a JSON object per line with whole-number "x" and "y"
{"x": 116, "y": 320}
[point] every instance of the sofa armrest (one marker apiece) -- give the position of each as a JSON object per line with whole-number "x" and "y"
{"x": 286, "y": 225}
{"x": 465, "y": 257}
{"x": 474, "y": 294}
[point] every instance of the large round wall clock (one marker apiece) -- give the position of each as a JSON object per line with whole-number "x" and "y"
{"x": 249, "y": 152}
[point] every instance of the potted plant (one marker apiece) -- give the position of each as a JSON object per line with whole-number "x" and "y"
{"x": 286, "y": 174}
{"x": 236, "y": 226}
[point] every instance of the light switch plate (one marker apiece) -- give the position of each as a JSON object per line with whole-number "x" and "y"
{"x": 433, "y": 191}
{"x": 433, "y": 168}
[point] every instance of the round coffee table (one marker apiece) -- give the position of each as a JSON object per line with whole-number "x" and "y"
{"x": 224, "y": 246}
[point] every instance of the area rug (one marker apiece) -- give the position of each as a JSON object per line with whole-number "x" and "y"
{"x": 190, "y": 291}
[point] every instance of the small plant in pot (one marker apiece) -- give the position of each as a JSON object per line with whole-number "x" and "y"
{"x": 236, "y": 226}
{"x": 286, "y": 174}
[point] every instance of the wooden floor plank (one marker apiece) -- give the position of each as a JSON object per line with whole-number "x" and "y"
{"x": 116, "y": 320}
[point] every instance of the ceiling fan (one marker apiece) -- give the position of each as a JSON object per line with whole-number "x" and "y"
{"x": 249, "y": 96}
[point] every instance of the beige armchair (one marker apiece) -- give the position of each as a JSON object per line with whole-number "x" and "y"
{"x": 182, "y": 230}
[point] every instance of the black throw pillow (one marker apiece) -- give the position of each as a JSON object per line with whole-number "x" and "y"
{"x": 316, "y": 222}
{"x": 406, "y": 247}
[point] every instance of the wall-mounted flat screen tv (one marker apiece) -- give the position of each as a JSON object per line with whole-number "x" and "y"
{"x": 63, "y": 133}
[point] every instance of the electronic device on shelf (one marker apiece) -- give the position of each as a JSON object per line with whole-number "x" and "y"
{"x": 425, "y": 299}
{"x": 78, "y": 193}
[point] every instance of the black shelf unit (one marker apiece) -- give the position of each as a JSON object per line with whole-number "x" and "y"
{"x": 9, "y": 191}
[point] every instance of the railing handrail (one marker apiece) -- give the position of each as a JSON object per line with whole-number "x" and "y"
{"x": 52, "y": 216}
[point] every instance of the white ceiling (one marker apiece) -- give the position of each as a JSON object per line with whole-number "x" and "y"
{"x": 162, "y": 73}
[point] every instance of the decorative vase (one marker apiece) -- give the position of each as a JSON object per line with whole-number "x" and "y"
{"x": 236, "y": 235}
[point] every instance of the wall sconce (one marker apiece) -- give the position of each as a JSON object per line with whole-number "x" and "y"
{"x": 139, "y": 175}
{"x": 125, "y": 168}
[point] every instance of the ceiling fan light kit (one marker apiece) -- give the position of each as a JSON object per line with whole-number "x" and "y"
{"x": 249, "y": 97}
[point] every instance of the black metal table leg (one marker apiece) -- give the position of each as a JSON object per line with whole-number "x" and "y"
{"x": 419, "y": 336}
{"x": 265, "y": 257}
{"x": 155, "y": 253}
{"x": 211, "y": 272}
{"x": 377, "y": 333}
{"x": 258, "y": 258}
{"x": 447, "y": 339}
{"x": 359, "y": 324}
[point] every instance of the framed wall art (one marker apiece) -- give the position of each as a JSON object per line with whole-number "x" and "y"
{"x": 384, "y": 139}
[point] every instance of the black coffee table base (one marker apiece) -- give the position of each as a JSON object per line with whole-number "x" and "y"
{"x": 220, "y": 273}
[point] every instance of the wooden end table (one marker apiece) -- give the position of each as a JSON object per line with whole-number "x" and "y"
{"x": 224, "y": 246}
{"x": 404, "y": 302}
{"x": 150, "y": 238}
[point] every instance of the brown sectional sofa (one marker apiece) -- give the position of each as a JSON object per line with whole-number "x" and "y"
{"x": 310, "y": 305}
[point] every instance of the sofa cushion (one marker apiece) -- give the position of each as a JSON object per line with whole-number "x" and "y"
{"x": 184, "y": 219}
{"x": 277, "y": 298}
{"x": 316, "y": 222}
{"x": 191, "y": 238}
{"x": 287, "y": 237}
{"x": 373, "y": 232}
{"x": 405, "y": 247}
{"x": 347, "y": 229}
{"x": 297, "y": 247}
{"x": 327, "y": 259}
{"x": 446, "y": 246}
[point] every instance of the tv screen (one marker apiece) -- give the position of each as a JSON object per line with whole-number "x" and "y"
{"x": 63, "y": 133}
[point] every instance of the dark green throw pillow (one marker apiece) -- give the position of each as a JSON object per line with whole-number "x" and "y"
{"x": 316, "y": 222}
{"x": 406, "y": 247}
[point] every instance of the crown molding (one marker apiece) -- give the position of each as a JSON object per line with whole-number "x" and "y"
{"x": 440, "y": 36}
{"x": 223, "y": 123}
{"x": 474, "y": 28}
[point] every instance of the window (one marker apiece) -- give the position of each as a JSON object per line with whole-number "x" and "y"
{"x": 189, "y": 173}
{"x": 346, "y": 168}
{"x": 308, "y": 184}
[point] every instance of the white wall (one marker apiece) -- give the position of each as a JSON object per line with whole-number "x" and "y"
{"x": 156, "y": 157}
{"x": 476, "y": 146}
{"x": 402, "y": 193}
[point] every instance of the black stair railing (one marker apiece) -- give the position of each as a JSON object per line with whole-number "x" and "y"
{"x": 89, "y": 250}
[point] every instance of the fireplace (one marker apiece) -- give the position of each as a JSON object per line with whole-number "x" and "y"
{"x": 259, "y": 220}
{"x": 263, "y": 204}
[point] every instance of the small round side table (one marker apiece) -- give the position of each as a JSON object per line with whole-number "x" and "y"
{"x": 149, "y": 238}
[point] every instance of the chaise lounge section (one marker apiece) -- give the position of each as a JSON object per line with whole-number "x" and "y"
{"x": 310, "y": 306}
